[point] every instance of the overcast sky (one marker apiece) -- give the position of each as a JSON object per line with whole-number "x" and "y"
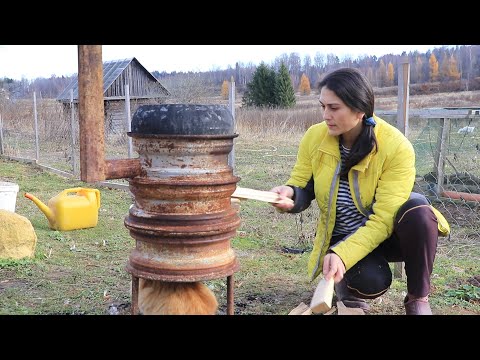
{"x": 34, "y": 61}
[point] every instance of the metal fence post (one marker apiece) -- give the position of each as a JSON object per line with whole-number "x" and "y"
{"x": 231, "y": 105}
{"x": 402, "y": 125}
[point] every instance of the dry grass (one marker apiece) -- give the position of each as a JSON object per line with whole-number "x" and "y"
{"x": 281, "y": 123}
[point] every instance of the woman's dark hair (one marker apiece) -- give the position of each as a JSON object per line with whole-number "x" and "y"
{"x": 354, "y": 89}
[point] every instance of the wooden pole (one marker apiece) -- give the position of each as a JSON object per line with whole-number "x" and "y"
{"x": 2, "y": 148}
{"x": 91, "y": 113}
{"x": 403, "y": 95}
{"x": 440, "y": 154}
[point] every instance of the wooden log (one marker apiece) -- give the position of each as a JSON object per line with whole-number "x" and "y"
{"x": 322, "y": 297}
{"x": 473, "y": 189}
{"x": 461, "y": 195}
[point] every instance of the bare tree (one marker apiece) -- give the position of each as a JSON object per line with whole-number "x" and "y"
{"x": 189, "y": 87}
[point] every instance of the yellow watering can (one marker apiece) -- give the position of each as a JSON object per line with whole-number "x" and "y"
{"x": 72, "y": 209}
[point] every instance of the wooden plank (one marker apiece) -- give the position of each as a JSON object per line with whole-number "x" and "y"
{"x": 343, "y": 310}
{"x": 322, "y": 297}
{"x": 331, "y": 311}
{"x": 440, "y": 154}
{"x": 403, "y": 95}
{"x": 301, "y": 309}
{"x": 266, "y": 196}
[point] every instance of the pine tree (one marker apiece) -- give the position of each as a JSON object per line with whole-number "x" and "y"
{"x": 284, "y": 92}
{"x": 304, "y": 85}
{"x": 261, "y": 90}
{"x": 225, "y": 90}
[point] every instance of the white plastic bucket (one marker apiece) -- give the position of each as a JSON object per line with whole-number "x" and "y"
{"x": 8, "y": 195}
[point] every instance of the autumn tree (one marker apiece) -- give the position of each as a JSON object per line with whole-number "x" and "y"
{"x": 453, "y": 72}
{"x": 382, "y": 74}
{"x": 390, "y": 74}
{"x": 189, "y": 87}
{"x": 443, "y": 66}
{"x": 304, "y": 85}
{"x": 433, "y": 63}
{"x": 225, "y": 90}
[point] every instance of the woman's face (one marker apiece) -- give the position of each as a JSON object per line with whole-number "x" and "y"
{"x": 340, "y": 119}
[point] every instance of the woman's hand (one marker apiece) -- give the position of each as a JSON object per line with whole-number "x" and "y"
{"x": 334, "y": 267}
{"x": 284, "y": 192}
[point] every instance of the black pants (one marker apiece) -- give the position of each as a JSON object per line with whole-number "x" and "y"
{"x": 414, "y": 241}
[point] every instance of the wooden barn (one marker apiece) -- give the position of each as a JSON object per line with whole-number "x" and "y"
{"x": 143, "y": 87}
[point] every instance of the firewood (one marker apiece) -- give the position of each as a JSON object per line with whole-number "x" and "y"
{"x": 343, "y": 310}
{"x": 266, "y": 196}
{"x": 322, "y": 297}
{"x": 301, "y": 309}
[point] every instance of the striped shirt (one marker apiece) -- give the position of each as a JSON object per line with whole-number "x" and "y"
{"x": 348, "y": 218}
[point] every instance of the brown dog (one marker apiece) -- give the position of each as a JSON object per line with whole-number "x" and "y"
{"x": 175, "y": 298}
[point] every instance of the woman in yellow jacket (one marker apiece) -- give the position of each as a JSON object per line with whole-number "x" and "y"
{"x": 361, "y": 171}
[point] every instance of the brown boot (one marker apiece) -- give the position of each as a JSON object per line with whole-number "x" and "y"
{"x": 417, "y": 306}
{"x": 348, "y": 299}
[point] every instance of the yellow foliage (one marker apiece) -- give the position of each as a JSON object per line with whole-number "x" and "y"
{"x": 453, "y": 72}
{"x": 433, "y": 67}
{"x": 225, "y": 90}
{"x": 390, "y": 73}
{"x": 304, "y": 87}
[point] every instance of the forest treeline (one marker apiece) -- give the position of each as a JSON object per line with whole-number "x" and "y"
{"x": 443, "y": 69}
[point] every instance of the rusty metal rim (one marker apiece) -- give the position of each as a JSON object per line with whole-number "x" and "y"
{"x": 182, "y": 182}
{"x": 186, "y": 275}
{"x": 205, "y": 238}
{"x": 147, "y": 217}
{"x": 193, "y": 137}
{"x": 161, "y": 235}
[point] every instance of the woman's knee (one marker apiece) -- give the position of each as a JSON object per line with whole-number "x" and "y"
{"x": 369, "y": 278}
{"x": 417, "y": 212}
{"x": 413, "y": 201}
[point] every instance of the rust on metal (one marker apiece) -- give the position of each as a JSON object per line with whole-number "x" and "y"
{"x": 182, "y": 218}
{"x": 135, "y": 286}
{"x": 122, "y": 168}
{"x": 230, "y": 303}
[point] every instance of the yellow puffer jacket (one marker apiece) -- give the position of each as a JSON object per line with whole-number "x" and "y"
{"x": 381, "y": 182}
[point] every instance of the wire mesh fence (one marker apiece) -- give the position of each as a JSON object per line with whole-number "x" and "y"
{"x": 447, "y": 153}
